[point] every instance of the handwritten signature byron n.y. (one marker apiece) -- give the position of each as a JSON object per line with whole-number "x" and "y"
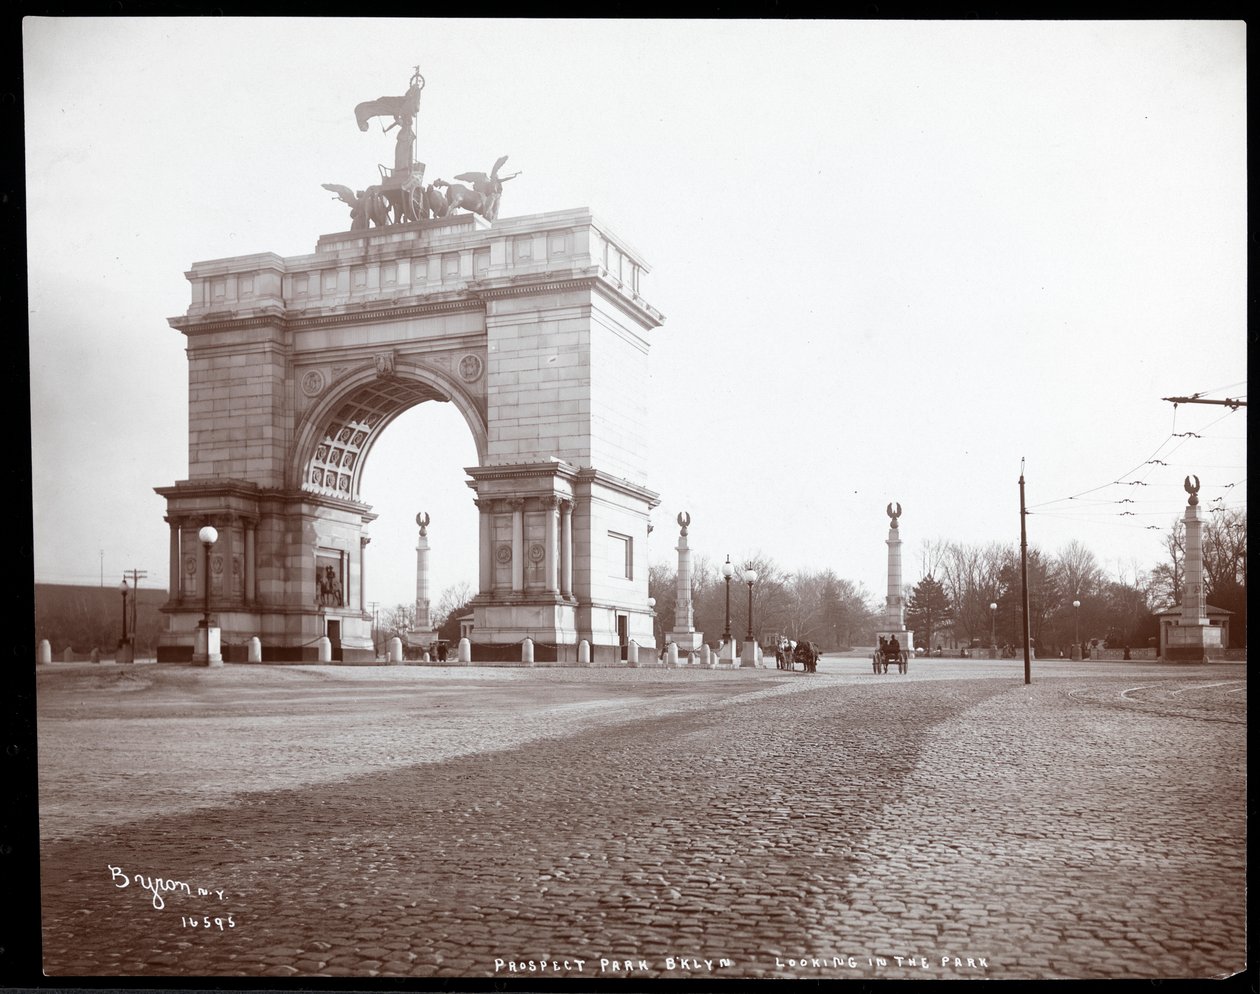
{"x": 158, "y": 885}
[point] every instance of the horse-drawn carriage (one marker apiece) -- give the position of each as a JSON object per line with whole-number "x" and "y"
{"x": 788, "y": 654}
{"x": 887, "y": 655}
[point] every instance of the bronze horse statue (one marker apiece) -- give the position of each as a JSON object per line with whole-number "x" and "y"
{"x": 369, "y": 206}
{"x": 483, "y": 197}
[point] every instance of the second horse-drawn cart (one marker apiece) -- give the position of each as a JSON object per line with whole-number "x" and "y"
{"x": 886, "y": 656}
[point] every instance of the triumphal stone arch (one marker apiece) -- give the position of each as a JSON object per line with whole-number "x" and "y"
{"x": 533, "y": 327}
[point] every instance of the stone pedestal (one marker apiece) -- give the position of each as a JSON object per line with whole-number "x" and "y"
{"x": 206, "y": 649}
{"x": 686, "y": 641}
{"x": 1192, "y": 643}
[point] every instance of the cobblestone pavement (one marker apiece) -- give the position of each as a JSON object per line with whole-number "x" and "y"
{"x": 667, "y": 824}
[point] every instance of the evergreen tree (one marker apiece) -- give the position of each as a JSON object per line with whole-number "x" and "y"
{"x": 928, "y": 610}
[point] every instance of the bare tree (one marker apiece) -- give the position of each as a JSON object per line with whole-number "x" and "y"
{"x": 1075, "y": 572}
{"x": 399, "y": 619}
{"x": 1168, "y": 575}
{"x": 454, "y": 598}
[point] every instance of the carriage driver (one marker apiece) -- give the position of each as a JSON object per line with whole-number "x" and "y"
{"x": 894, "y": 647}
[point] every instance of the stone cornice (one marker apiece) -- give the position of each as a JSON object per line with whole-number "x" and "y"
{"x": 519, "y": 471}
{"x": 376, "y": 310}
{"x": 592, "y": 279}
{"x": 592, "y": 476}
{"x": 227, "y": 321}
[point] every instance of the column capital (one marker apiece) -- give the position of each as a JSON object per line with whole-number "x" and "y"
{"x": 550, "y": 502}
{"x": 515, "y": 503}
{"x": 566, "y": 505}
{"x": 364, "y": 540}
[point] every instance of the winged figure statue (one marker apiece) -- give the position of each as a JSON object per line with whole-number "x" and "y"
{"x": 483, "y": 197}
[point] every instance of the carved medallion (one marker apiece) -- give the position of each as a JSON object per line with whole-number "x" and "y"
{"x": 216, "y": 564}
{"x": 190, "y": 565}
{"x": 536, "y": 553}
{"x": 312, "y": 382}
{"x": 503, "y": 554}
{"x": 470, "y": 368}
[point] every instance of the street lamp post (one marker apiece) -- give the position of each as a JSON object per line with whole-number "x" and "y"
{"x": 207, "y": 649}
{"x": 750, "y": 647}
{"x": 123, "y": 645}
{"x": 728, "y": 571}
{"x": 993, "y": 625}
{"x": 1076, "y": 618}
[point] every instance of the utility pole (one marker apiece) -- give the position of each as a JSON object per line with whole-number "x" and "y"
{"x": 136, "y": 576}
{"x": 1023, "y": 570}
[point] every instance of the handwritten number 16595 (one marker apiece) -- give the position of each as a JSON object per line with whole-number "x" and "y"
{"x": 207, "y": 922}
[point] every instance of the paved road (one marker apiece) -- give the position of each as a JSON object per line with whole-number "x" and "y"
{"x": 950, "y": 823}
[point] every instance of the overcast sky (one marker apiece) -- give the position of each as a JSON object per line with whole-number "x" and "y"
{"x": 894, "y": 258}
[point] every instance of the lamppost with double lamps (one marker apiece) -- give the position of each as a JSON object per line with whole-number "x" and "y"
{"x": 206, "y": 652}
{"x": 992, "y": 629}
{"x": 750, "y": 647}
{"x": 1076, "y": 620}
{"x": 728, "y": 571}
{"x": 123, "y": 656}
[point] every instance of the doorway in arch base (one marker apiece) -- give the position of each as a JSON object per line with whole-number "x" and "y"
{"x": 533, "y": 327}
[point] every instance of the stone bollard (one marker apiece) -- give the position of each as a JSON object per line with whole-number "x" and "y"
{"x": 425, "y": 658}
{"x": 254, "y": 650}
{"x": 691, "y": 658}
{"x": 671, "y": 654}
{"x": 527, "y": 652}
{"x": 394, "y": 650}
{"x": 465, "y": 651}
{"x": 632, "y": 653}
{"x": 68, "y": 655}
{"x": 323, "y": 649}
{"x": 44, "y": 653}
{"x": 584, "y": 653}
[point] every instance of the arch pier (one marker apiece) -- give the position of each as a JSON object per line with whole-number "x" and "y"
{"x": 534, "y": 327}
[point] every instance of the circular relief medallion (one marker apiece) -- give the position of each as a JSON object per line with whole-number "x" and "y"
{"x": 536, "y": 553}
{"x": 470, "y": 368}
{"x": 216, "y": 564}
{"x": 312, "y": 382}
{"x": 503, "y": 554}
{"x": 190, "y": 565}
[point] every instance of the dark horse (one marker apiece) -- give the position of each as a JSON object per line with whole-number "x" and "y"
{"x": 807, "y": 655}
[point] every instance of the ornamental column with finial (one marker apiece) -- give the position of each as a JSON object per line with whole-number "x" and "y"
{"x": 1193, "y": 610}
{"x": 894, "y": 608}
{"x": 423, "y": 623}
{"x": 684, "y": 634}
{"x": 1192, "y": 637}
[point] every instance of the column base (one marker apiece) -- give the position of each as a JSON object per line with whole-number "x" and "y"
{"x": 206, "y": 648}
